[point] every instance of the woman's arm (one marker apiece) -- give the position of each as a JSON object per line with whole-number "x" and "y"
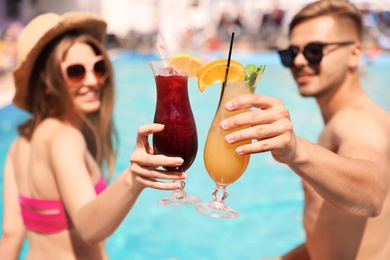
{"x": 96, "y": 217}
{"x": 13, "y": 228}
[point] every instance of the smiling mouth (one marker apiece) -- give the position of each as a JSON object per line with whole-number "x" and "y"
{"x": 89, "y": 94}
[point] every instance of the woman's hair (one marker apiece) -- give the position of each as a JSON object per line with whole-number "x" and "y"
{"x": 341, "y": 10}
{"x": 49, "y": 97}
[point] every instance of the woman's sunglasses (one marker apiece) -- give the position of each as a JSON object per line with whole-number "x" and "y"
{"x": 75, "y": 73}
{"x": 313, "y": 53}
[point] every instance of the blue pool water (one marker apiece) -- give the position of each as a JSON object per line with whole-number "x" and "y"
{"x": 268, "y": 196}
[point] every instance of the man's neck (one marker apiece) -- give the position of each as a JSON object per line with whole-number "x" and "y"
{"x": 340, "y": 98}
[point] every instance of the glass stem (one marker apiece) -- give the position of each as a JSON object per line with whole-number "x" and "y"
{"x": 220, "y": 194}
{"x": 179, "y": 193}
{"x": 182, "y": 184}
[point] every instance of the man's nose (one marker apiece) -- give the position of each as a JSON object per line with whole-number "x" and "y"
{"x": 300, "y": 60}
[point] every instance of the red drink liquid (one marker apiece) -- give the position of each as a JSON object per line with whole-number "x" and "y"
{"x": 179, "y": 137}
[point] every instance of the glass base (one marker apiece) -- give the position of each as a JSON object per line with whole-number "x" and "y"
{"x": 217, "y": 210}
{"x": 179, "y": 198}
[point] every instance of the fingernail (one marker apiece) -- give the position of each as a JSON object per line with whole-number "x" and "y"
{"x": 223, "y": 124}
{"x": 229, "y": 138}
{"x": 179, "y": 161}
{"x": 228, "y": 105}
{"x": 239, "y": 150}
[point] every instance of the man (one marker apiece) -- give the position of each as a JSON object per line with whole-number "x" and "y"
{"x": 346, "y": 174}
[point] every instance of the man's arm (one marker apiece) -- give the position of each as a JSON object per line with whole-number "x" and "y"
{"x": 348, "y": 169}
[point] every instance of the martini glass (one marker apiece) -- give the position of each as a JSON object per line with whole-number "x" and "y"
{"x": 179, "y": 137}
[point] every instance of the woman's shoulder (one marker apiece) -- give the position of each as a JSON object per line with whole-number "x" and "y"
{"x": 52, "y": 130}
{"x": 50, "y": 124}
{"x": 19, "y": 143}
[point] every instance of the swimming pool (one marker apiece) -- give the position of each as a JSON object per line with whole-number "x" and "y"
{"x": 268, "y": 196}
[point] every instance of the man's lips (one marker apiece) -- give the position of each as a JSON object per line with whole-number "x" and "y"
{"x": 304, "y": 78}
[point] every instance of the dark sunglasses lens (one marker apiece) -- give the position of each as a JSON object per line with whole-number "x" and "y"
{"x": 100, "y": 69}
{"x": 76, "y": 72}
{"x": 313, "y": 53}
{"x": 287, "y": 57}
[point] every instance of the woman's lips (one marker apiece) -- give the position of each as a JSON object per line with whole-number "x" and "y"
{"x": 88, "y": 94}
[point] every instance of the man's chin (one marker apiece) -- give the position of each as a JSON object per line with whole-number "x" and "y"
{"x": 304, "y": 90}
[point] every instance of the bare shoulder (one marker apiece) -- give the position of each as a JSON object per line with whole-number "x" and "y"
{"x": 68, "y": 135}
{"x": 50, "y": 126}
{"x": 360, "y": 120}
{"x": 356, "y": 126}
{"x": 20, "y": 143}
{"x": 56, "y": 133}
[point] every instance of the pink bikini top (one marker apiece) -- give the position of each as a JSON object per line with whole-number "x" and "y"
{"x": 36, "y": 219}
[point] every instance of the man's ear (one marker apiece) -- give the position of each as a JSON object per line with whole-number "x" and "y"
{"x": 356, "y": 54}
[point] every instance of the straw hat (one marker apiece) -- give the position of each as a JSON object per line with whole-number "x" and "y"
{"x": 38, "y": 34}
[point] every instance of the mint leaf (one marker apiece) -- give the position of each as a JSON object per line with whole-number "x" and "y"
{"x": 253, "y": 74}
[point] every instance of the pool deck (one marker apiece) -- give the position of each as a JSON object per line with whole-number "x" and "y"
{"x": 7, "y": 89}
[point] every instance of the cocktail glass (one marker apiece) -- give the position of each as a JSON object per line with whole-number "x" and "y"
{"x": 222, "y": 162}
{"x": 179, "y": 137}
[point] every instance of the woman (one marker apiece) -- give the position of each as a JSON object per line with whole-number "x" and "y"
{"x": 54, "y": 189}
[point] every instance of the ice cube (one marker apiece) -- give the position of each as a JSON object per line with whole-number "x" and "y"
{"x": 168, "y": 71}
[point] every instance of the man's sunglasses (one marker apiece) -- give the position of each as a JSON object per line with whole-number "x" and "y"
{"x": 75, "y": 73}
{"x": 313, "y": 52}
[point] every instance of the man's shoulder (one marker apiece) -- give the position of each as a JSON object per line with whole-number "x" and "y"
{"x": 350, "y": 115}
{"x": 362, "y": 111}
{"x": 351, "y": 119}
{"x": 357, "y": 121}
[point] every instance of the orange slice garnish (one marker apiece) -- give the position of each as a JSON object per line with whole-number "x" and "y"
{"x": 187, "y": 63}
{"x": 214, "y": 72}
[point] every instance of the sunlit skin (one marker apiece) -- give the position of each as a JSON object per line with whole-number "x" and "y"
{"x": 345, "y": 175}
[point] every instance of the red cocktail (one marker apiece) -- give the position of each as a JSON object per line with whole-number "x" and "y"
{"x": 179, "y": 137}
{"x": 173, "y": 110}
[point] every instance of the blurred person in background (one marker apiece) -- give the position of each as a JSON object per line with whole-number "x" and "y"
{"x": 8, "y": 47}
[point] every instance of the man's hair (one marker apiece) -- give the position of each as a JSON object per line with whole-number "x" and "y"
{"x": 338, "y": 9}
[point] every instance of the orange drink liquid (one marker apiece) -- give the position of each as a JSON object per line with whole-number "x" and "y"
{"x": 222, "y": 162}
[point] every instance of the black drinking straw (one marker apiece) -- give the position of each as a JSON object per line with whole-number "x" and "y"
{"x": 227, "y": 68}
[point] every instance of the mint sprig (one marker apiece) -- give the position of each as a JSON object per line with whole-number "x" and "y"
{"x": 253, "y": 74}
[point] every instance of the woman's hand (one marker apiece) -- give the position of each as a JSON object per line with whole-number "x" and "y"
{"x": 145, "y": 165}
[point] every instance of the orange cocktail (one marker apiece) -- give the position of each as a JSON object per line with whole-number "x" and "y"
{"x": 222, "y": 162}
